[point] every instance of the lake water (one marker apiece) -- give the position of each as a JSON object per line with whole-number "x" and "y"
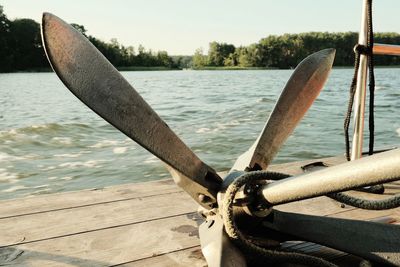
{"x": 50, "y": 142}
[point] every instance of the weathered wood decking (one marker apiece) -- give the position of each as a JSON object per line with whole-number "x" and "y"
{"x": 145, "y": 224}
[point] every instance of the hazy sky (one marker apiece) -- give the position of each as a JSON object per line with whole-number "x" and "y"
{"x": 181, "y": 26}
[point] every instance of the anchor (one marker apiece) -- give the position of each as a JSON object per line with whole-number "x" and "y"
{"x": 241, "y": 225}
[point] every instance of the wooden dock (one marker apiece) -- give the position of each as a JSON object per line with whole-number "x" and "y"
{"x": 143, "y": 224}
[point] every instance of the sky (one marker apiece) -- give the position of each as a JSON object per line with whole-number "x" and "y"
{"x": 181, "y": 26}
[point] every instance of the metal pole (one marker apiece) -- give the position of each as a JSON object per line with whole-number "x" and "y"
{"x": 360, "y": 94}
{"x": 376, "y": 169}
{"x": 386, "y": 49}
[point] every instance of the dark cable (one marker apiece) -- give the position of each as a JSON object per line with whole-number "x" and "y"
{"x": 370, "y": 45}
{"x": 351, "y": 100}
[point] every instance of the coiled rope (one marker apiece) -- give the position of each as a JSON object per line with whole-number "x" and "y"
{"x": 367, "y": 204}
{"x": 284, "y": 256}
{"x": 231, "y": 228}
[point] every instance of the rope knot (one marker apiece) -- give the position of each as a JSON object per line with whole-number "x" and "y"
{"x": 362, "y": 49}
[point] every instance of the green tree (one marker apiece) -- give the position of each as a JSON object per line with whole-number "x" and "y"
{"x": 6, "y": 55}
{"x": 21, "y": 49}
{"x": 164, "y": 60}
{"x": 26, "y": 41}
{"x": 80, "y": 28}
{"x": 182, "y": 62}
{"x": 231, "y": 60}
{"x": 244, "y": 57}
{"x": 199, "y": 59}
{"x": 217, "y": 53}
{"x": 270, "y": 51}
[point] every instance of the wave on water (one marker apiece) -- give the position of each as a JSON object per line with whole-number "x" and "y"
{"x": 77, "y": 164}
{"x": 8, "y": 157}
{"x": 14, "y": 189}
{"x": 398, "y": 131}
{"x": 8, "y": 177}
{"x": 380, "y": 87}
{"x": 72, "y": 155}
{"x": 67, "y": 178}
{"x": 203, "y": 130}
{"x": 105, "y": 143}
{"x": 120, "y": 150}
{"x": 45, "y": 128}
{"x": 265, "y": 100}
{"x": 218, "y": 127}
{"x": 151, "y": 160}
{"x": 39, "y": 135}
{"x": 62, "y": 140}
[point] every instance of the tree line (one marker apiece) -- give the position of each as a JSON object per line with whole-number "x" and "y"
{"x": 20, "y": 44}
{"x": 21, "y": 50}
{"x": 287, "y": 50}
{"x": 122, "y": 56}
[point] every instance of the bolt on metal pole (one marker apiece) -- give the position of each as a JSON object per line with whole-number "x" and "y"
{"x": 360, "y": 94}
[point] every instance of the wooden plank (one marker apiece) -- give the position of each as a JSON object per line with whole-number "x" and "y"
{"x": 45, "y": 203}
{"x": 321, "y": 206}
{"x": 149, "y": 224}
{"x": 182, "y": 258}
{"x": 28, "y": 228}
{"x": 136, "y": 245}
{"x": 294, "y": 168}
{"x": 108, "y": 247}
{"x": 58, "y": 223}
{"x": 66, "y": 200}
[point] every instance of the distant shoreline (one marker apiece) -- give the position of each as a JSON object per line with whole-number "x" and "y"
{"x": 137, "y": 68}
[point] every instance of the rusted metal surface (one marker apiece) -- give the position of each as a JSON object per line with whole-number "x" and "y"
{"x": 90, "y": 77}
{"x": 296, "y": 98}
{"x": 376, "y": 169}
{"x": 386, "y": 49}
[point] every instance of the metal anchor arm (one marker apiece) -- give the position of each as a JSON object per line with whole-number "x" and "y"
{"x": 296, "y": 98}
{"x": 92, "y": 78}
